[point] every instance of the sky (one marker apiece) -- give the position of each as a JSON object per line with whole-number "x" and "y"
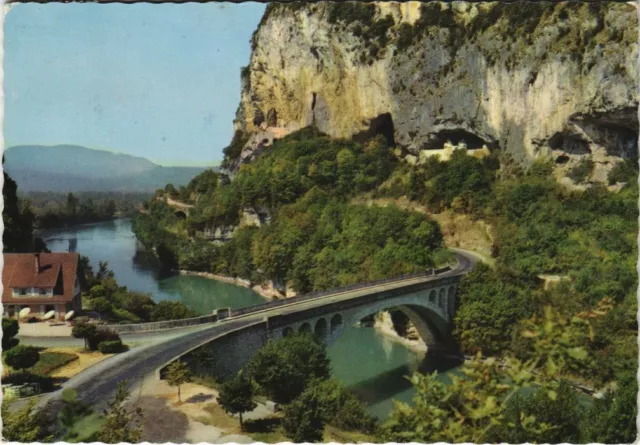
{"x": 161, "y": 81}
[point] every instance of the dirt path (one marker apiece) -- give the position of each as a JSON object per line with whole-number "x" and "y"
{"x": 196, "y": 418}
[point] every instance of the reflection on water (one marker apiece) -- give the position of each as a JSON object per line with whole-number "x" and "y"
{"x": 376, "y": 368}
{"x": 364, "y": 360}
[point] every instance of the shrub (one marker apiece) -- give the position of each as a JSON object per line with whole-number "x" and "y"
{"x": 10, "y": 328}
{"x": 21, "y": 357}
{"x": 171, "y": 310}
{"x": 84, "y": 330}
{"x": 112, "y": 347}
{"x": 102, "y": 335}
{"x": 24, "y": 377}
{"x": 582, "y": 171}
{"x": 623, "y": 171}
{"x": 405, "y": 36}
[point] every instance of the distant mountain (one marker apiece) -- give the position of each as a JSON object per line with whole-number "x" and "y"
{"x": 64, "y": 168}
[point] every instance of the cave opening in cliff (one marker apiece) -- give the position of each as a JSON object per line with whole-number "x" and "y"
{"x": 569, "y": 143}
{"x": 456, "y": 136}
{"x": 379, "y": 125}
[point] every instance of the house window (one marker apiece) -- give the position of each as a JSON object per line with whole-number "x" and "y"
{"x": 20, "y": 291}
{"x": 43, "y": 291}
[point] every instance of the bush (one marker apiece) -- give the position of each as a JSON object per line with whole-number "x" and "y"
{"x": 112, "y": 347}
{"x": 10, "y": 328}
{"x": 22, "y": 357}
{"x": 102, "y": 335}
{"x": 25, "y": 377}
{"x": 623, "y": 171}
{"x": 582, "y": 171}
{"x": 171, "y": 310}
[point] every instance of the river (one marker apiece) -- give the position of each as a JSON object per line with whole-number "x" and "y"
{"x": 367, "y": 362}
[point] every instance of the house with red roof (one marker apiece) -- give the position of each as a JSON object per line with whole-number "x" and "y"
{"x": 42, "y": 282}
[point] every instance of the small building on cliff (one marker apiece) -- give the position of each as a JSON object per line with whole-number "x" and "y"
{"x": 42, "y": 282}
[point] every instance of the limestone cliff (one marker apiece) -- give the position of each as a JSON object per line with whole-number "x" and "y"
{"x": 533, "y": 79}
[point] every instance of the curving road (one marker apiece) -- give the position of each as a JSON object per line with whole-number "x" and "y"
{"x": 96, "y": 385}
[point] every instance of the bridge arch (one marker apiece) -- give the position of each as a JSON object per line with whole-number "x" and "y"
{"x": 451, "y": 300}
{"x": 336, "y": 323}
{"x": 441, "y": 296}
{"x": 287, "y": 331}
{"x": 432, "y": 297}
{"x": 430, "y": 325}
{"x": 305, "y": 328}
{"x": 321, "y": 330}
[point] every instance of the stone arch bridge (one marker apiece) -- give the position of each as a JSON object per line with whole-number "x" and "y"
{"x": 231, "y": 337}
{"x": 427, "y": 298}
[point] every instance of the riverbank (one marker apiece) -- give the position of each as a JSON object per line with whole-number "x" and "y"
{"x": 49, "y": 231}
{"x": 265, "y": 289}
{"x": 223, "y": 278}
{"x": 384, "y": 326}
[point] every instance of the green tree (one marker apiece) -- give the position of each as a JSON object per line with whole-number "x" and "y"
{"x": 612, "y": 419}
{"x": 178, "y": 373}
{"x": 72, "y": 204}
{"x": 563, "y": 414}
{"x": 283, "y": 368}
{"x": 303, "y": 418}
{"x": 71, "y": 416}
{"x": 121, "y": 424}
{"x": 84, "y": 330}
{"x": 101, "y": 305}
{"x": 236, "y": 396}
{"x": 338, "y": 406}
{"x": 22, "y": 357}
{"x": 18, "y": 228}
{"x": 170, "y": 189}
{"x": 23, "y": 425}
{"x": 10, "y": 328}
{"x": 104, "y": 271}
{"x": 170, "y": 310}
{"x": 473, "y": 407}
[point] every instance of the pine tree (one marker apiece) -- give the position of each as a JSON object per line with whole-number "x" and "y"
{"x": 121, "y": 425}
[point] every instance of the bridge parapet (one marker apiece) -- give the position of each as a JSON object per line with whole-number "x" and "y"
{"x": 337, "y": 290}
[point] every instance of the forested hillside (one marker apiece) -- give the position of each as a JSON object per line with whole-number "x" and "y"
{"x": 316, "y": 238}
{"x": 583, "y": 243}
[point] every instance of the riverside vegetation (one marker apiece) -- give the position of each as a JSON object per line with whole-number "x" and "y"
{"x": 318, "y": 238}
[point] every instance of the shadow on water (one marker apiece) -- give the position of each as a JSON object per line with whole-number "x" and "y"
{"x": 148, "y": 262}
{"x": 389, "y": 383}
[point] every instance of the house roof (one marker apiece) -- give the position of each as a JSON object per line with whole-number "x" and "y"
{"x": 20, "y": 271}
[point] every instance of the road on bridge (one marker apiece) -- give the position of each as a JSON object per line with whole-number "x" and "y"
{"x": 97, "y": 384}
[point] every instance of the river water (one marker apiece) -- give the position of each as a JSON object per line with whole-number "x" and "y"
{"x": 365, "y": 361}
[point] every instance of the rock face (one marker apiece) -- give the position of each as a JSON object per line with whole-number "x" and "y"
{"x": 532, "y": 79}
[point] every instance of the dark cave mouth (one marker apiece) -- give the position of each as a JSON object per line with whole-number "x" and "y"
{"x": 456, "y": 136}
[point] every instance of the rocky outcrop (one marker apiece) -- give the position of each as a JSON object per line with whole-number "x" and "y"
{"x": 533, "y": 79}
